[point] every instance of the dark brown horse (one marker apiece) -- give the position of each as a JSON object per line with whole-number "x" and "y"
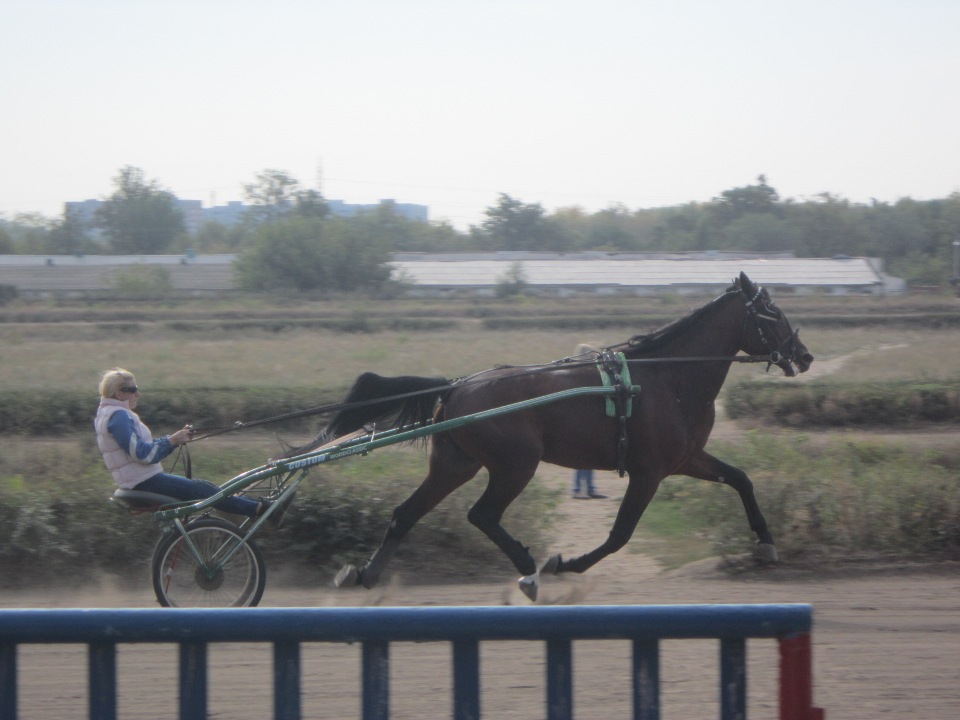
{"x": 680, "y": 370}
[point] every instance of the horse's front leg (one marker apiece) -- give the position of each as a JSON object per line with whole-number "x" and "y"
{"x": 640, "y": 491}
{"x": 705, "y": 466}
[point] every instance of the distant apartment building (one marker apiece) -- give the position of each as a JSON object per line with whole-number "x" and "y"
{"x": 84, "y": 211}
{"x": 406, "y": 210}
{"x": 229, "y": 214}
{"x": 195, "y": 215}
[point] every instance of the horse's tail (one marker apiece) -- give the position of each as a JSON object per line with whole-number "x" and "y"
{"x": 397, "y": 401}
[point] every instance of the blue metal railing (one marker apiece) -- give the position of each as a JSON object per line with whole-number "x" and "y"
{"x": 376, "y": 627}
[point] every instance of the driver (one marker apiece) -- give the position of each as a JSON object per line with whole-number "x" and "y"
{"x": 133, "y": 456}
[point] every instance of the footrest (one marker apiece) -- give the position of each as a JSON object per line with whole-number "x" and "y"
{"x": 141, "y": 500}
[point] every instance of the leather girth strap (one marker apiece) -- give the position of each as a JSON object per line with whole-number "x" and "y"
{"x": 614, "y": 372}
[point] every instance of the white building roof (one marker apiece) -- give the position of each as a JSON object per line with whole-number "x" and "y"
{"x": 86, "y": 273}
{"x": 571, "y": 271}
{"x": 479, "y": 270}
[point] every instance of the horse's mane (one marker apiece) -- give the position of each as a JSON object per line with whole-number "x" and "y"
{"x": 651, "y": 342}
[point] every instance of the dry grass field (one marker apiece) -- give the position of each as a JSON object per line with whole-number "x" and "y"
{"x": 885, "y": 641}
{"x": 70, "y": 355}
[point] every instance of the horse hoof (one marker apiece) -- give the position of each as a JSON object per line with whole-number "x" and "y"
{"x": 529, "y": 585}
{"x": 348, "y": 576}
{"x": 766, "y": 552}
{"x": 552, "y": 565}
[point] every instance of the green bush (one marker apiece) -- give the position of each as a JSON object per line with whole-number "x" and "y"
{"x": 890, "y": 404}
{"x": 57, "y": 524}
{"x": 931, "y": 320}
{"x": 838, "y": 499}
{"x": 8, "y": 293}
{"x": 606, "y": 318}
{"x": 575, "y": 322}
{"x": 143, "y": 281}
{"x": 356, "y": 323}
{"x": 342, "y": 512}
{"x": 45, "y": 413}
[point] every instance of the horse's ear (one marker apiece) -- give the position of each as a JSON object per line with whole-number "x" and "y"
{"x": 746, "y": 285}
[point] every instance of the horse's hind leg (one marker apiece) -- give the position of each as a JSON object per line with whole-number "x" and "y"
{"x": 706, "y": 467}
{"x": 450, "y": 468}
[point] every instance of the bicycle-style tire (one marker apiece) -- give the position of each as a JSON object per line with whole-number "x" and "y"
{"x": 179, "y": 580}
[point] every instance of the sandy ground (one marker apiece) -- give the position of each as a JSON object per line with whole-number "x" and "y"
{"x": 886, "y": 644}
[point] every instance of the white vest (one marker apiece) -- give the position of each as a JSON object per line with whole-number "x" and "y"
{"x": 127, "y": 471}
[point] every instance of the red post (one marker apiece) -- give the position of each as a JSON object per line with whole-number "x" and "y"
{"x": 796, "y": 679}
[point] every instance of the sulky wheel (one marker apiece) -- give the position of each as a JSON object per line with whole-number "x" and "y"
{"x": 180, "y": 580}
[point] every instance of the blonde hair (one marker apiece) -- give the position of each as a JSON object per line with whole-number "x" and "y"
{"x": 112, "y": 380}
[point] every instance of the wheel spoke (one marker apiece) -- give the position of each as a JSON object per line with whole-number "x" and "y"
{"x": 181, "y": 580}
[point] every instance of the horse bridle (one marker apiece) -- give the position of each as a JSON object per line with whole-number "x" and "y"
{"x": 761, "y": 307}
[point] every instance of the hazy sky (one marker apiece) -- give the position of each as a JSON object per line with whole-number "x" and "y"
{"x": 448, "y": 103}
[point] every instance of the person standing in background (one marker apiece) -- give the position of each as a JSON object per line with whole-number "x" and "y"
{"x": 583, "y": 486}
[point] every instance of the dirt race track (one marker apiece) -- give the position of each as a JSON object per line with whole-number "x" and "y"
{"x": 886, "y": 644}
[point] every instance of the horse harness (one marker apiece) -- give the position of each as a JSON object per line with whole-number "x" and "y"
{"x": 615, "y": 370}
{"x": 615, "y": 373}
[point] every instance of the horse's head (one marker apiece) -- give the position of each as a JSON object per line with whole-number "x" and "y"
{"x": 772, "y": 333}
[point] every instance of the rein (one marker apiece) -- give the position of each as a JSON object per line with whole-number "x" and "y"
{"x": 563, "y": 364}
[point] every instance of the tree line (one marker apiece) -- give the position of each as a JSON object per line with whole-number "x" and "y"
{"x": 289, "y": 239}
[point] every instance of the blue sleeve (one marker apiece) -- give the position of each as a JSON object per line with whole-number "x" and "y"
{"x": 124, "y": 431}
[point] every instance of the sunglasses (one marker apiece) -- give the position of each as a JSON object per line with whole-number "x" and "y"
{"x": 130, "y": 389}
